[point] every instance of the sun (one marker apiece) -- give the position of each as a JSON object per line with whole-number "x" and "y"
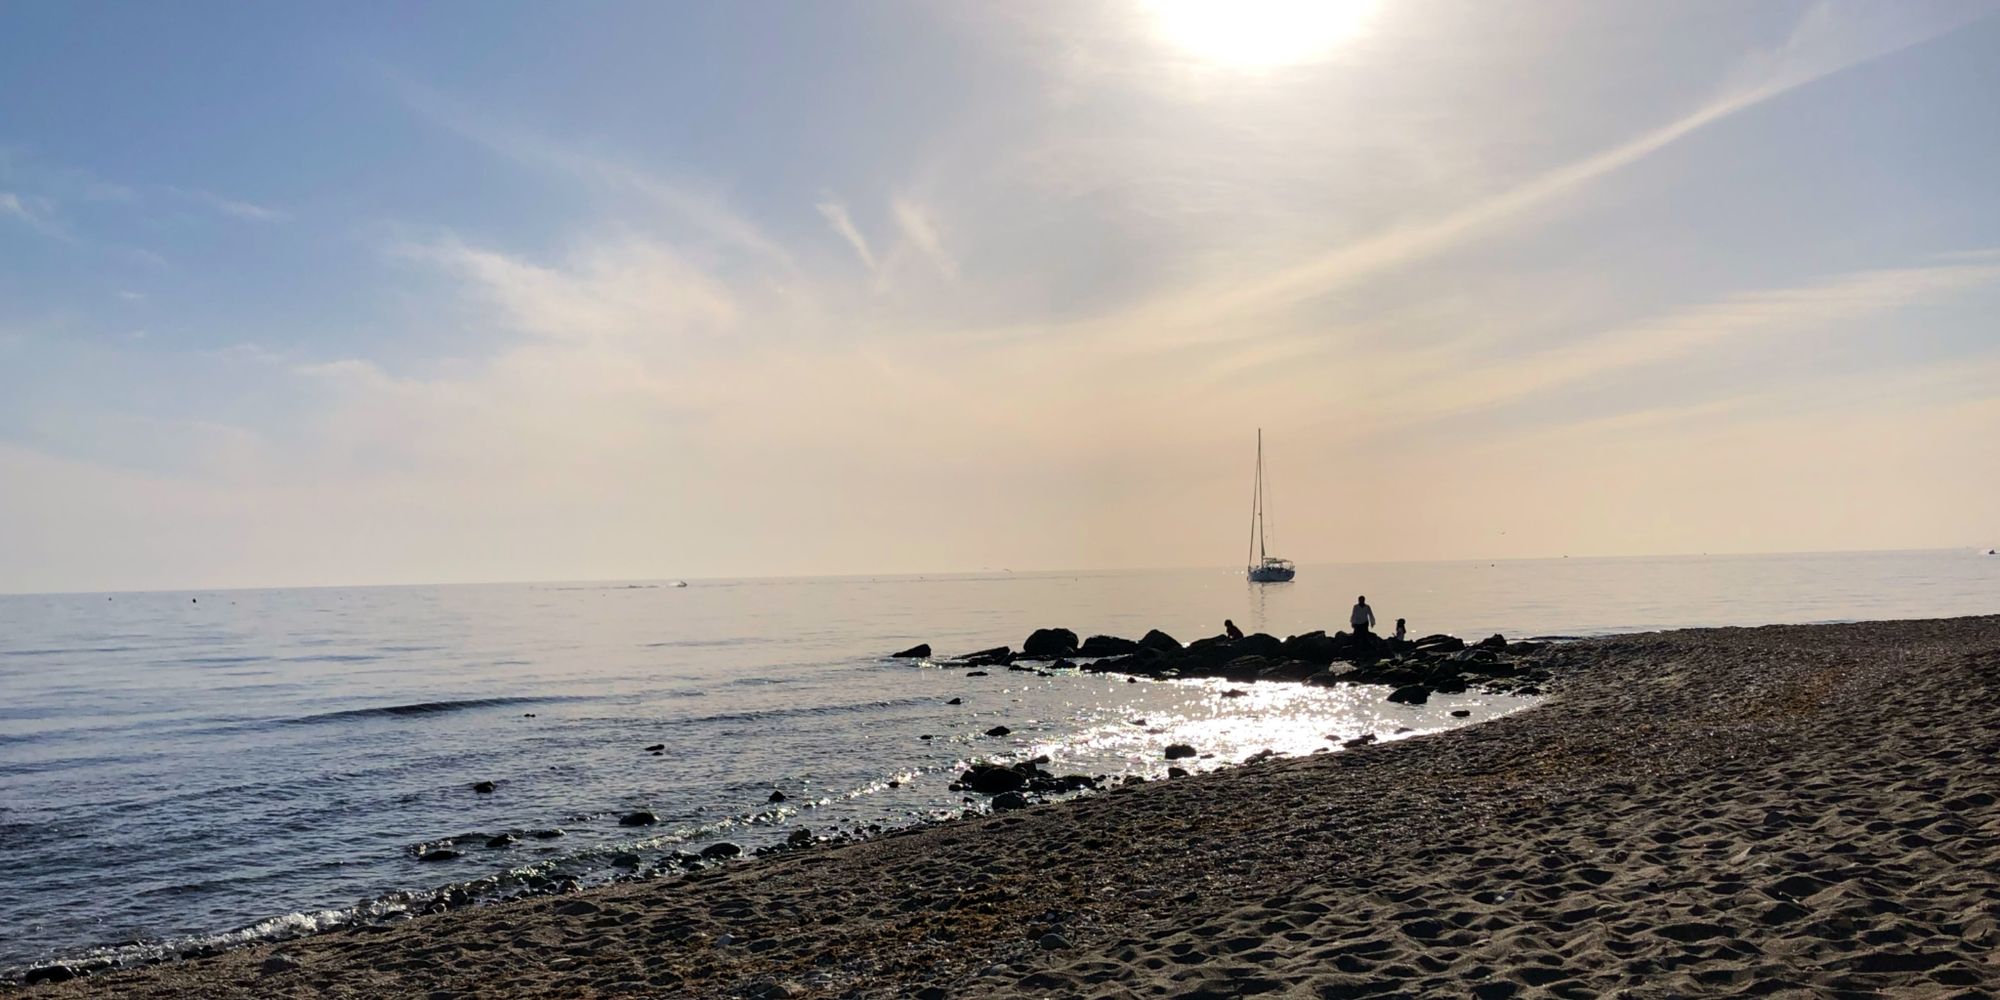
{"x": 1258, "y": 34}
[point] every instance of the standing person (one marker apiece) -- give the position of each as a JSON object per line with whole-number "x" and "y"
{"x": 1400, "y": 630}
{"x": 1363, "y": 616}
{"x": 1230, "y": 631}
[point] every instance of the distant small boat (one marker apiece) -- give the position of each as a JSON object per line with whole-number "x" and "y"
{"x": 1264, "y": 567}
{"x": 680, "y": 583}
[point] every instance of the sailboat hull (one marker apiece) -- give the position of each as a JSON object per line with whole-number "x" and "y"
{"x": 1272, "y": 574}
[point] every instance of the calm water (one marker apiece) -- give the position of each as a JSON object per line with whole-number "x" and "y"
{"x": 217, "y": 766}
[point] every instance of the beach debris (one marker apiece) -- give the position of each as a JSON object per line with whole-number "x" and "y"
{"x": 918, "y": 651}
{"x": 1178, "y": 751}
{"x": 1049, "y": 643}
{"x": 776, "y": 797}
{"x": 641, "y": 818}
{"x": 998, "y": 731}
{"x": 483, "y": 787}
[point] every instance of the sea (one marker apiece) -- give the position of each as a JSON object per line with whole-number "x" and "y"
{"x": 201, "y": 768}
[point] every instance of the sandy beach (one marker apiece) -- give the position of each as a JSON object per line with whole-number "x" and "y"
{"x": 1803, "y": 811}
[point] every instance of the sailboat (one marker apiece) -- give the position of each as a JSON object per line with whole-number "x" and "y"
{"x": 1264, "y": 567}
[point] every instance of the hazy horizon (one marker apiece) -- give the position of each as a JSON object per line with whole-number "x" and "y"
{"x": 500, "y": 293}
{"x": 665, "y": 581}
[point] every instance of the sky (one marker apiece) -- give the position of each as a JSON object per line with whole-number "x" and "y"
{"x": 299, "y": 294}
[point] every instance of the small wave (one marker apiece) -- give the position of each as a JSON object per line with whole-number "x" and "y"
{"x": 425, "y": 708}
{"x": 67, "y": 650}
{"x": 220, "y": 661}
{"x": 334, "y": 658}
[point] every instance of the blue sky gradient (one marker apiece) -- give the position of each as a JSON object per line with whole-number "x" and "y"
{"x": 299, "y": 294}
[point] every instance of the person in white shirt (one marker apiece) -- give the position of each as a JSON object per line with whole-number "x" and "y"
{"x": 1363, "y": 618}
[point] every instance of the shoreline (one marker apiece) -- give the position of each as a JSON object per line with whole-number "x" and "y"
{"x": 1711, "y": 811}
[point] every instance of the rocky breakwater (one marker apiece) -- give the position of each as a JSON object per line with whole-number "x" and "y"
{"x": 1410, "y": 670}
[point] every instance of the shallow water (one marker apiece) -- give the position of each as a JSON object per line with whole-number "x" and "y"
{"x": 175, "y": 766}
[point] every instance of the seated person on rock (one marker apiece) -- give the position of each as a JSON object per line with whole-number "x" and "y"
{"x": 1230, "y": 631}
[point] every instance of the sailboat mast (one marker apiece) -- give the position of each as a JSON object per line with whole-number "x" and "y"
{"x": 1257, "y": 502}
{"x": 1260, "y": 496}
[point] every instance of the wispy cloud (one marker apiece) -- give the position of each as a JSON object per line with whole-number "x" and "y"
{"x": 231, "y": 207}
{"x": 835, "y": 213}
{"x": 917, "y": 228}
{"x": 1823, "y": 43}
{"x": 37, "y": 213}
{"x": 706, "y": 212}
{"x": 629, "y": 290}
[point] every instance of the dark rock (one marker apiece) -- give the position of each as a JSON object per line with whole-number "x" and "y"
{"x": 549, "y": 834}
{"x": 49, "y": 974}
{"x": 975, "y": 673}
{"x": 1047, "y": 643}
{"x": 1313, "y": 647}
{"x": 1106, "y": 645}
{"x": 626, "y": 860}
{"x": 1234, "y": 693}
{"x": 991, "y": 779}
{"x": 917, "y": 651}
{"x": 439, "y": 854}
{"x": 1258, "y": 644}
{"x": 1495, "y": 642}
{"x": 800, "y": 837}
{"x": 1052, "y": 942}
{"x": 640, "y": 818}
{"x": 1440, "y": 643}
{"x": 483, "y": 787}
{"x": 956, "y": 701}
{"x": 998, "y": 731}
{"x": 776, "y": 797}
{"x": 1359, "y": 741}
{"x": 997, "y": 652}
{"x": 1179, "y": 751}
{"x": 1177, "y": 772}
{"x": 656, "y": 748}
{"x": 503, "y": 840}
{"x": 1460, "y": 713}
{"x": 717, "y": 852}
{"x": 1410, "y": 694}
{"x": 1158, "y": 640}
{"x": 1009, "y": 800}
{"x": 277, "y": 965}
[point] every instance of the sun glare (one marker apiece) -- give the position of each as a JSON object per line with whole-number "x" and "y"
{"x": 1258, "y": 34}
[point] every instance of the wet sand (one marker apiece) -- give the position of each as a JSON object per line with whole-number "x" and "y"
{"x": 1800, "y": 811}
